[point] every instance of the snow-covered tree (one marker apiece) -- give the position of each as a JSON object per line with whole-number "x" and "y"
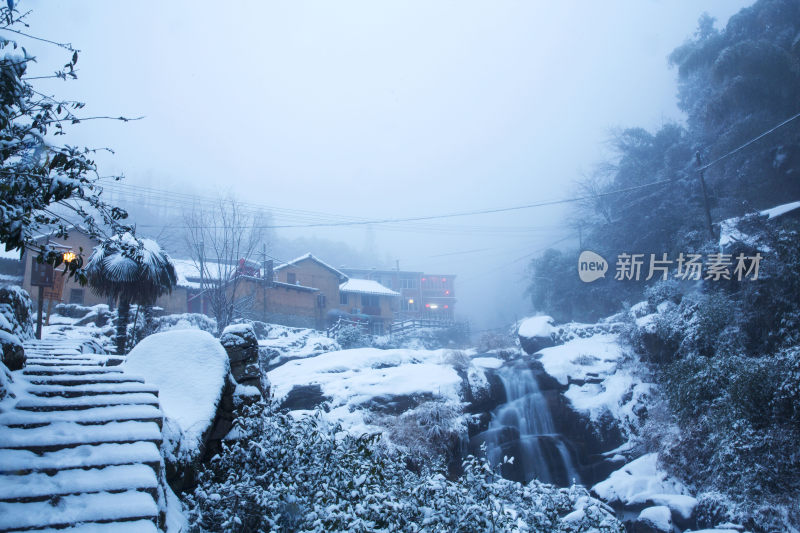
{"x": 44, "y": 186}
{"x": 219, "y": 238}
{"x": 131, "y": 270}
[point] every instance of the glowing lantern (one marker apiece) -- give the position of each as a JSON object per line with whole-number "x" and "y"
{"x": 69, "y": 257}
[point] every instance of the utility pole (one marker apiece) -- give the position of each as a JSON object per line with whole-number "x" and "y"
{"x": 701, "y": 172}
{"x": 267, "y": 275}
{"x": 202, "y": 278}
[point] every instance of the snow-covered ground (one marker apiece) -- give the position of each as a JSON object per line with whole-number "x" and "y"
{"x": 350, "y": 379}
{"x": 282, "y": 343}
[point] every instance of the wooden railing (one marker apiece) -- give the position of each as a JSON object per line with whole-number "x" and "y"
{"x": 418, "y": 323}
{"x": 343, "y": 322}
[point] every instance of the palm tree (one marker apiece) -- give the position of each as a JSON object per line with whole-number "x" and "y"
{"x": 132, "y": 270}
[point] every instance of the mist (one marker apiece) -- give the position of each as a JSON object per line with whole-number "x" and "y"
{"x": 322, "y": 112}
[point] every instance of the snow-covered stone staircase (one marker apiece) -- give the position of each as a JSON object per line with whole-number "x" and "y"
{"x": 79, "y": 445}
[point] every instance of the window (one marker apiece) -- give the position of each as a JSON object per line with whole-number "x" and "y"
{"x": 321, "y": 301}
{"x": 408, "y": 283}
{"x": 370, "y": 300}
{"x": 343, "y": 298}
{"x": 291, "y": 278}
{"x": 408, "y": 304}
{"x": 76, "y": 296}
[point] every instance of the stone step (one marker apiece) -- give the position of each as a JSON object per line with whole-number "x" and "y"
{"x": 52, "y": 361}
{"x": 94, "y": 415}
{"x": 60, "y": 403}
{"x": 131, "y": 526}
{"x": 84, "y": 456}
{"x": 45, "y": 370}
{"x": 69, "y": 434}
{"x": 70, "y": 510}
{"x": 91, "y": 389}
{"x": 67, "y": 379}
{"x": 38, "y": 485}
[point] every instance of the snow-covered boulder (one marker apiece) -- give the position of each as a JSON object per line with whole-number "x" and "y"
{"x": 190, "y": 368}
{"x": 641, "y": 483}
{"x": 536, "y": 333}
{"x": 656, "y": 519}
{"x": 16, "y": 325}
{"x": 241, "y": 344}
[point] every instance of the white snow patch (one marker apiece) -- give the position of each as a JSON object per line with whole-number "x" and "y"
{"x": 487, "y": 362}
{"x": 659, "y": 516}
{"x": 576, "y": 358}
{"x": 189, "y": 366}
{"x": 537, "y": 326}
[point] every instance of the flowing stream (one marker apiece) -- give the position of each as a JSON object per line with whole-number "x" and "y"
{"x": 523, "y": 428}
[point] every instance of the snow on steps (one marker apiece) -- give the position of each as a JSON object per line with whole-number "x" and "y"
{"x": 79, "y": 446}
{"x": 67, "y": 510}
{"x": 60, "y": 403}
{"x": 76, "y": 481}
{"x": 134, "y": 526}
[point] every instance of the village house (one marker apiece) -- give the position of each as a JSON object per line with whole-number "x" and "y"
{"x": 421, "y": 295}
{"x": 303, "y": 292}
{"x": 369, "y": 301}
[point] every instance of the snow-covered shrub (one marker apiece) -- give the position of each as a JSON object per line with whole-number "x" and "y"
{"x": 185, "y": 321}
{"x": 493, "y": 340}
{"x": 458, "y": 360}
{"x": 664, "y": 291}
{"x": 306, "y": 475}
{"x": 429, "y": 433}
{"x": 385, "y": 342}
{"x": 352, "y": 337}
{"x": 16, "y": 308}
{"x": 16, "y": 325}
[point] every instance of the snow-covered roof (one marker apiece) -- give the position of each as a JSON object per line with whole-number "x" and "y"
{"x": 187, "y": 269}
{"x": 366, "y": 286}
{"x": 342, "y": 276}
{"x": 729, "y": 232}
{"x": 779, "y": 210}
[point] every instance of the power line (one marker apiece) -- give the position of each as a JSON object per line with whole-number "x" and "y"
{"x": 748, "y": 143}
{"x": 365, "y": 222}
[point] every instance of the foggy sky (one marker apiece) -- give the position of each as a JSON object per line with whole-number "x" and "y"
{"x": 376, "y": 109}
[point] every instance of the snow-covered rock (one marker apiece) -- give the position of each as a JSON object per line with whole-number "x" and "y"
{"x": 190, "y": 368}
{"x": 536, "y": 333}
{"x": 240, "y": 341}
{"x": 353, "y": 380}
{"x": 656, "y": 519}
{"x": 642, "y": 482}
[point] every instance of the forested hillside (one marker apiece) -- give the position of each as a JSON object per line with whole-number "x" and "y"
{"x": 724, "y": 350}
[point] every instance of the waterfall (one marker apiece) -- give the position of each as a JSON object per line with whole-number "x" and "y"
{"x": 523, "y": 428}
